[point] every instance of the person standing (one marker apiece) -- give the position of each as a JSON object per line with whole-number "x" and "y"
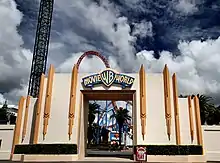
{"x": 104, "y": 134}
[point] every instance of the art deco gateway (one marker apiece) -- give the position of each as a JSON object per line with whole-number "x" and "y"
{"x": 59, "y": 114}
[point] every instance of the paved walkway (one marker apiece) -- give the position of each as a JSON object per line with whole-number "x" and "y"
{"x": 117, "y": 154}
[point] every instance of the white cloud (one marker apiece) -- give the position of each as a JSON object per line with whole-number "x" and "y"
{"x": 187, "y": 6}
{"x": 16, "y": 93}
{"x": 14, "y": 60}
{"x": 197, "y": 66}
{"x": 95, "y": 28}
{"x": 143, "y": 29}
{"x": 101, "y": 28}
{"x": 2, "y": 99}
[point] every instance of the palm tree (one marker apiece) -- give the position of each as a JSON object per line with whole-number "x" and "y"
{"x": 121, "y": 117}
{"x": 213, "y": 117}
{"x": 207, "y": 109}
{"x": 5, "y": 115}
{"x": 208, "y": 112}
{"x": 217, "y": 115}
{"x": 93, "y": 110}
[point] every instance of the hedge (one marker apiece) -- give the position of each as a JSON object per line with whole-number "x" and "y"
{"x": 72, "y": 149}
{"x": 46, "y": 149}
{"x": 172, "y": 149}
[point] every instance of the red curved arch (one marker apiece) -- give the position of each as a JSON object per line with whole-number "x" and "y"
{"x": 104, "y": 60}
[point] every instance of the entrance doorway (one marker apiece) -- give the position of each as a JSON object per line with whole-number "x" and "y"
{"x": 107, "y": 137}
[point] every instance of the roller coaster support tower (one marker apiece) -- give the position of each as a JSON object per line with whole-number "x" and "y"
{"x": 40, "y": 53}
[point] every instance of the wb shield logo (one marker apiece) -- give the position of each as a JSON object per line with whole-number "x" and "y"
{"x": 108, "y": 77}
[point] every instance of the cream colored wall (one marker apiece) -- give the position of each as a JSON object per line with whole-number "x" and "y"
{"x": 29, "y": 122}
{"x": 155, "y": 108}
{"x": 173, "y": 131}
{"x": 211, "y": 135}
{"x": 58, "y": 122}
{"x": 155, "y": 125}
{"x": 40, "y": 134}
{"x": 6, "y": 136}
{"x": 22, "y": 121}
{"x": 184, "y": 122}
{"x": 156, "y": 131}
{"x": 32, "y": 105}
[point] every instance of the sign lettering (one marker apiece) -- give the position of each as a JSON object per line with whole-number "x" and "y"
{"x": 107, "y": 78}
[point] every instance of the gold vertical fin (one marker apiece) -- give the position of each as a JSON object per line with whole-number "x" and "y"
{"x": 47, "y": 106}
{"x": 38, "y": 110}
{"x": 176, "y": 110}
{"x": 142, "y": 76}
{"x": 191, "y": 119}
{"x": 167, "y": 100}
{"x": 72, "y": 103}
{"x": 17, "y": 130}
{"x": 198, "y": 121}
{"x": 26, "y": 118}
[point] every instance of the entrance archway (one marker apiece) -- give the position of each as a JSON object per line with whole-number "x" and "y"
{"x": 104, "y": 95}
{"x": 104, "y": 60}
{"x": 111, "y": 95}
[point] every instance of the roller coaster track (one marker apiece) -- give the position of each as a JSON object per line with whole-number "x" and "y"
{"x": 89, "y": 53}
{"x": 114, "y": 110}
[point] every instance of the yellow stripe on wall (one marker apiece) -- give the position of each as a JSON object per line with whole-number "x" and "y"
{"x": 198, "y": 121}
{"x": 72, "y": 102}
{"x": 176, "y": 110}
{"x": 47, "y": 106}
{"x": 26, "y": 117}
{"x": 167, "y": 100}
{"x": 142, "y": 78}
{"x": 191, "y": 125}
{"x": 38, "y": 110}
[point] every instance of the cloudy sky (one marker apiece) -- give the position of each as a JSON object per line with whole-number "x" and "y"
{"x": 182, "y": 33}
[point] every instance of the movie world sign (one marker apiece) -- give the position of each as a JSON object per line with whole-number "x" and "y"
{"x": 108, "y": 77}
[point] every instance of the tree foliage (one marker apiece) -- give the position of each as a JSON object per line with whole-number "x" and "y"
{"x": 210, "y": 114}
{"x": 207, "y": 108}
{"x": 6, "y": 116}
{"x": 121, "y": 116}
{"x": 3, "y": 114}
{"x": 93, "y": 110}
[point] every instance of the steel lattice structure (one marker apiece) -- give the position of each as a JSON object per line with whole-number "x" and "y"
{"x": 39, "y": 60}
